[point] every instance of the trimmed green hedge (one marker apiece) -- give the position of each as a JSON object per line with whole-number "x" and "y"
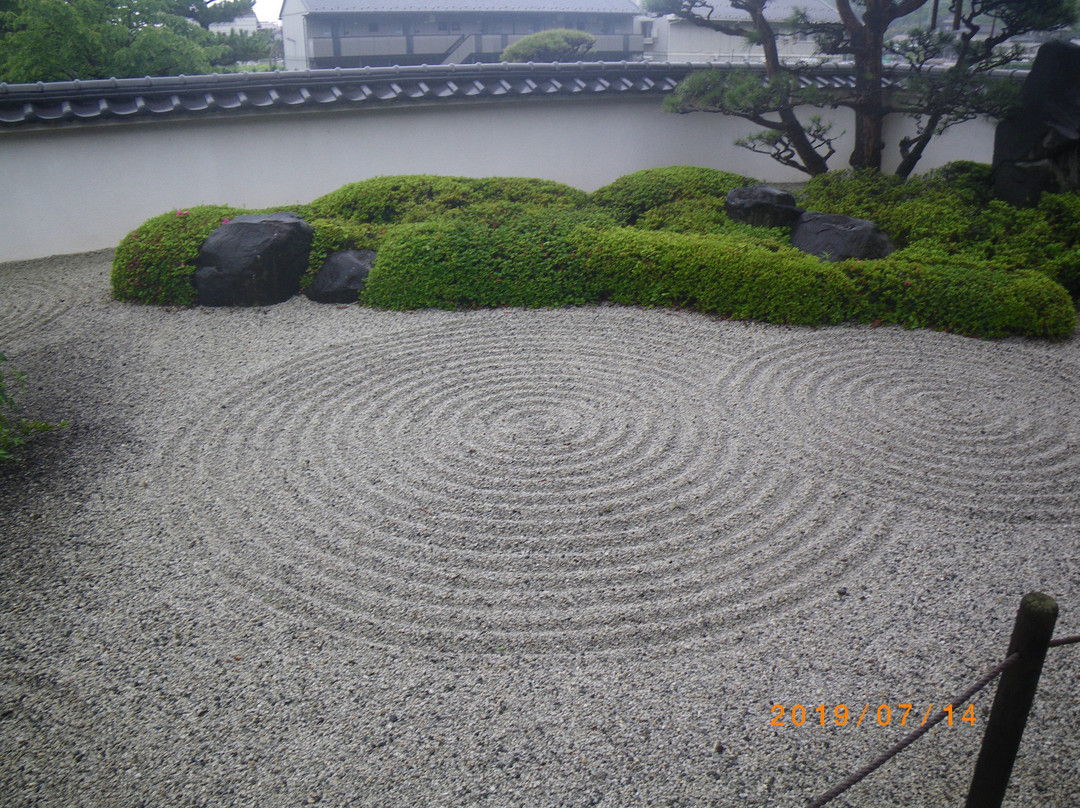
{"x": 953, "y": 210}
{"x": 922, "y": 287}
{"x": 967, "y": 263}
{"x": 720, "y": 275}
{"x": 414, "y": 198}
{"x": 530, "y": 256}
{"x": 155, "y": 262}
{"x": 488, "y": 255}
{"x": 632, "y": 195}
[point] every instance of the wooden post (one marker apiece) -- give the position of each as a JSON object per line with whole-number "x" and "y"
{"x": 1031, "y": 636}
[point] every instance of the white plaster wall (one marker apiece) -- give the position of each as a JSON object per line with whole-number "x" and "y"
{"x": 971, "y": 140}
{"x": 84, "y": 188}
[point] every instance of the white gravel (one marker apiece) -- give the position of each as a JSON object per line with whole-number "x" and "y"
{"x": 329, "y": 554}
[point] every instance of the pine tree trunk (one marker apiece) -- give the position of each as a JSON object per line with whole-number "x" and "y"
{"x": 813, "y": 162}
{"x": 869, "y": 104}
{"x": 913, "y": 152}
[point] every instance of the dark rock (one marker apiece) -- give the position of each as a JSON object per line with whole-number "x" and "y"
{"x": 341, "y": 277}
{"x": 253, "y": 260}
{"x": 835, "y": 238}
{"x": 762, "y": 205}
{"x": 1038, "y": 148}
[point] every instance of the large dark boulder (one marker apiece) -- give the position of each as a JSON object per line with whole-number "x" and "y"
{"x": 253, "y": 260}
{"x": 836, "y": 238}
{"x": 341, "y": 277}
{"x": 762, "y": 205}
{"x": 1038, "y": 148}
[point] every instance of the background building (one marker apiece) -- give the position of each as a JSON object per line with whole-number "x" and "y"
{"x": 671, "y": 39}
{"x": 360, "y": 33}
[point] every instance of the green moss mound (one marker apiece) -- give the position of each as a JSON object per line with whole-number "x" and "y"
{"x": 414, "y": 198}
{"x": 921, "y": 287}
{"x": 722, "y": 275}
{"x": 707, "y": 216}
{"x": 952, "y": 210}
{"x": 156, "y": 261}
{"x": 632, "y": 195}
{"x": 967, "y": 263}
{"x": 501, "y": 254}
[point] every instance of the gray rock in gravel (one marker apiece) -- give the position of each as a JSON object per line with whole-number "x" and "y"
{"x": 341, "y": 277}
{"x": 254, "y": 260}
{"x": 835, "y": 238}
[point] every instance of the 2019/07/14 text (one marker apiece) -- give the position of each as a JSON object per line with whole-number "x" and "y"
{"x": 885, "y": 714}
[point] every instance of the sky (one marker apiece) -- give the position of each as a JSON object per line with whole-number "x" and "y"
{"x": 267, "y": 10}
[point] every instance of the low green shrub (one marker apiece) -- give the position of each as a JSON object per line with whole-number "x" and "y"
{"x": 701, "y": 215}
{"x": 708, "y": 216}
{"x": 416, "y": 197}
{"x": 970, "y": 181}
{"x": 952, "y": 209}
{"x": 926, "y": 287}
{"x": 1062, "y": 215}
{"x": 334, "y": 235}
{"x": 156, "y": 261}
{"x": 853, "y": 192}
{"x": 940, "y": 205}
{"x": 967, "y": 263}
{"x": 528, "y": 191}
{"x": 500, "y": 254}
{"x": 14, "y": 429}
{"x": 719, "y": 274}
{"x": 632, "y": 195}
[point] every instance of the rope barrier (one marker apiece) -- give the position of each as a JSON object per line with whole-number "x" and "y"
{"x": 1065, "y": 641}
{"x": 903, "y": 744}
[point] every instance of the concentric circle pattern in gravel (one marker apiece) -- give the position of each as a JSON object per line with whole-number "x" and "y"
{"x": 937, "y": 422}
{"x": 329, "y": 555}
{"x": 30, "y": 300}
{"x": 539, "y": 487}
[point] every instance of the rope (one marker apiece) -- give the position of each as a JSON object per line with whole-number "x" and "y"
{"x": 1065, "y": 641}
{"x": 904, "y": 743}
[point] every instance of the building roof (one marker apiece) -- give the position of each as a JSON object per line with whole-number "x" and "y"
{"x": 471, "y": 6}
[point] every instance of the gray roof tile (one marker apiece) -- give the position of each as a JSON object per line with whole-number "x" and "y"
{"x": 83, "y": 103}
{"x": 86, "y": 102}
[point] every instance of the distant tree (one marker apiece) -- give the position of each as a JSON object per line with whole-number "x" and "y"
{"x": 556, "y": 45}
{"x": 245, "y": 46}
{"x": 7, "y": 12}
{"x": 57, "y": 40}
{"x": 206, "y": 13}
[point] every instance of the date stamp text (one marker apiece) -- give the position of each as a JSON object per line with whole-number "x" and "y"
{"x": 840, "y": 715}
